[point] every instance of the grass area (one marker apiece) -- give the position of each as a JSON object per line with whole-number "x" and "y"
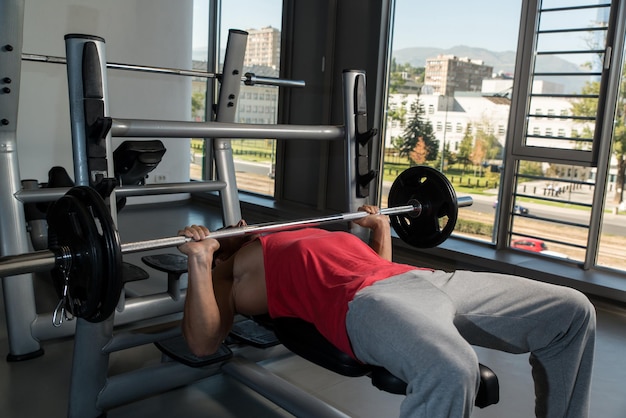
{"x": 464, "y": 181}
{"x": 255, "y": 150}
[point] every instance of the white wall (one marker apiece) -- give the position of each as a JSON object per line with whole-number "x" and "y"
{"x": 146, "y": 32}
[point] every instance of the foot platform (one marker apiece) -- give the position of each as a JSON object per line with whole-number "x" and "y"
{"x": 176, "y": 348}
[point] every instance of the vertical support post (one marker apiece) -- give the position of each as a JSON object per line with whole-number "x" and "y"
{"x": 387, "y": 11}
{"x": 213, "y": 43}
{"x": 18, "y": 291}
{"x": 88, "y": 97}
{"x": 90, "y": 366}
{"x": 93, "y": 160}
{"x": 226, "y": 109}
{"x": 353, "y": 92}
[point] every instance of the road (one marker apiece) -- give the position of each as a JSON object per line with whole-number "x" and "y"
{"x": 252, "y": 167}
{"x": 613, "y": 224}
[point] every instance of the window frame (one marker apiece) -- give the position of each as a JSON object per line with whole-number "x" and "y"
{"x": 521, "y": 98}
{"x": 600, "y": 155}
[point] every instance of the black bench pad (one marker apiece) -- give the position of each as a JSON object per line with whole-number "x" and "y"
{"x": 303, "y": 339}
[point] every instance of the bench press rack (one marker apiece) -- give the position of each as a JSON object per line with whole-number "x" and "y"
{"x": 92, "y": 391}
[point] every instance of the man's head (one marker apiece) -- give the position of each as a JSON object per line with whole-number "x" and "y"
{"x": 230, "y": 245}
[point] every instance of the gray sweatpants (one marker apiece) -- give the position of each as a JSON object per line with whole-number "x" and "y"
{"x": 420, "y": 326}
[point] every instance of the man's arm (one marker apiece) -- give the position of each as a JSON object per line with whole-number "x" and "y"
{"x": 208, "y": 312}
{"x": 380, "y": 239}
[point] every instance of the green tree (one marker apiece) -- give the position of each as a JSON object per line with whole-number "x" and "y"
{"x": 465, "y": 147}
{"x": 448, "y": 157}
{"x": 530, "y": 168}
{"x": 479, "y": 152}
{"x": 397, "y": 113}
{"x": 197, "y": 104}
{"x": 494, "y": 148}
{"x": 419, "y": 153}
{"x": 588, "y": 107}
{"x": 398, "y": 72}
{"x": 419, "y": 127}
{"x": 395, "y": 82}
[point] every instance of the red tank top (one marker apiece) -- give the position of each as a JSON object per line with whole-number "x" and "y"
{"x": 312, "y": 274}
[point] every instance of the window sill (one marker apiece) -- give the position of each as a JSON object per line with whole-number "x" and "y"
{"x": 459, "y": 253}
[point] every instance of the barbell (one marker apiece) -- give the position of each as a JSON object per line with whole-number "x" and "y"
{"x": 85, "y": 253}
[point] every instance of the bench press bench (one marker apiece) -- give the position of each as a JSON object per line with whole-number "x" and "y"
{"x": 303, "y": 339}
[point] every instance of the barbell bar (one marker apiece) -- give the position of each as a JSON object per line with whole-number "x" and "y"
{"x": 249, "y": 79}
{"x": 44, "y": 260}
{"x": 413, "y": 209}
{"x": 85, "y": 254}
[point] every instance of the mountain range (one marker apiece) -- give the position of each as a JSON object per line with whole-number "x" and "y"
{"x": 500, "y": 61}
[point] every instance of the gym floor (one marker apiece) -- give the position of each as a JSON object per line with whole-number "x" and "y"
{"x": 39, "y": 387}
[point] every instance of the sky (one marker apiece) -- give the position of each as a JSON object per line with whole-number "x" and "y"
{"x": 417, "y": 22}
{"x": 489, "y": 24}
{"x": 240, "y": 14}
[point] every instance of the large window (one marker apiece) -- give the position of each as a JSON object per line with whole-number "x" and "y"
{"x": 541, "y": 149}
{"x": 571, "y": 185}
{"x": 455, "y": 70}
{"x": 257, "y": 104}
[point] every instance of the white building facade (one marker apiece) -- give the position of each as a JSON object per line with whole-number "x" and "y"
{"x": 488, "y": 111}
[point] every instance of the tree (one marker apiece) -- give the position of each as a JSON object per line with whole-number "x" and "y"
{"x": 588, "y": 107}
{"x": 397, "y": 113}
{"x": 479, "y": 153}
{"x": 419, "y": 153}
{"x": 418, "y": 127}
{"x": 197, "y": 104}
{"x": 395, "y": 82}
{"x": 619, "y": 149}
{"x": 493, "y": 147}
{"x": 446, "y": 158}
{"x": 619, "y": 141}
{"x": 530, "y": 168}
{"x": 400, "y": 73}
{"x": 465, "y": 147}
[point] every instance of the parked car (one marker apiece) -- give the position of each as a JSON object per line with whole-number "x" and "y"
{"x": 529, "y": 244}
{"x": 536, "y": 246}
{"x": 517, "y": 209}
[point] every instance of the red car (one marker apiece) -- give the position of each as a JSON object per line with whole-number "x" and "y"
{"x": 529, "y": 244}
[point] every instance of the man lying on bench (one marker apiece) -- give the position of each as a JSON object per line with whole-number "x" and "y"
{"x": 419, "y": 324}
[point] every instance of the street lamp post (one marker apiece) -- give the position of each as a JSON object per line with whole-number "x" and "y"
{"x": 445, "y": 129}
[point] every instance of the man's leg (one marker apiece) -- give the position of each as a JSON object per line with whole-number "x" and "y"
{"x": 405, "y": 324}
{"x": 555, "y": 324}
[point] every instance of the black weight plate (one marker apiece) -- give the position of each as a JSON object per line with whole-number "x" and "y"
{"x": 112, "y": 265}
{"x": 439, "y": 204}
{"x": 80, "y": 222}
{"x": 70, "y": 227}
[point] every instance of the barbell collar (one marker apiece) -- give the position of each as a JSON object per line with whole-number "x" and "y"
{"x": 464, "y": 201}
